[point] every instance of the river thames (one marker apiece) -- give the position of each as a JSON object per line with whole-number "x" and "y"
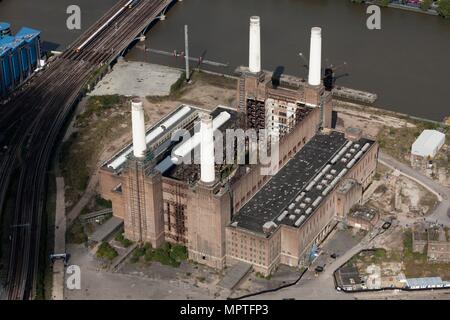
{"x": 407, "y": 62}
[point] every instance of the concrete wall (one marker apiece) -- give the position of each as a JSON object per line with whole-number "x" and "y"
{"x": 207, "y": 216}
{"x": 108, "y": 180}
{"x": 154, "y": 213}
{"x": 262, "y": 252}
{"x": 346, "y": 199}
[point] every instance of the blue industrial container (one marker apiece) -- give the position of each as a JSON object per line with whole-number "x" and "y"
{"x": 5, "y": 67}
{"x": 5, "y": 29}
{"x": 31, "y": 38}
{"x": 15, "y": 58}
{"x": 19, "y": 56}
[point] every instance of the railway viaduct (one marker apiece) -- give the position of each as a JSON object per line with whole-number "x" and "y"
{"x": 34, "y": 118}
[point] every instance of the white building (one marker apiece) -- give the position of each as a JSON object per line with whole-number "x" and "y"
{"x": 427, "y": 144}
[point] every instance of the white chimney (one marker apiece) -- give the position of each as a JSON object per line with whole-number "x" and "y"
{"x": 315, "y": 57}
{"x": 208, "y": 174}
{"x": 138, "y": 124}
{"x": 255, "y": 45}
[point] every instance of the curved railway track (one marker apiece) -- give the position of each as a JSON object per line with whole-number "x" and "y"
{"x": 33, "y": 120}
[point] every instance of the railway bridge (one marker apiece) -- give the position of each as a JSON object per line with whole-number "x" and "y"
{"x": 32, "y": 121}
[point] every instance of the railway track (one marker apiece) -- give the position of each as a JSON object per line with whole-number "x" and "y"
{"x": 35, "y": 117}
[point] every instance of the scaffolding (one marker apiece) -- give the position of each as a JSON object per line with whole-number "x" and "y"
{"x": 137, "y": 171}
{"x": 174, "y": 210}
{"x": 256, "y": 114}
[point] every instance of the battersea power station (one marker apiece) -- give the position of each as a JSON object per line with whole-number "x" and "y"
{"x": 263, "y": 214}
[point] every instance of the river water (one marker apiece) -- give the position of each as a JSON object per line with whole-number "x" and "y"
{"x": 407, "y": 62}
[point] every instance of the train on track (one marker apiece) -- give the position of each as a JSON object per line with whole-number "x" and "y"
{"x": 129, "y": 5}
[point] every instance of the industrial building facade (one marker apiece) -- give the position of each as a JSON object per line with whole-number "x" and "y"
{"x": 19, "y": 57}
{"x": 226, "y": 213}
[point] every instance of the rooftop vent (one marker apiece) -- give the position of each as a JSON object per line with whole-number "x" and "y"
{"x": 282, "y": 216}
{"x": 299, "y": 221}
{"x": 269, "y": 226}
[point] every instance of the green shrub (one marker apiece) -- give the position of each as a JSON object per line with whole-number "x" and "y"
{"x": 103, "y": 202}
{"x": 167, "y": 254}
{"x": 76, "y": 233}
{"x": 124, "y": 241}
{"x": 179, "y": 253}
{"x": 106, "y": 251}
{"x": 425, "y": 4}
{"x": 178, "y": 85}
{"x": 139, "y": 252}
{"x": 162, "y": 256}
{"x": 444, "y": 8}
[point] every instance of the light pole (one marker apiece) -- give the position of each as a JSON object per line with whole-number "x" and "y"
{"x": 186, "y": 52}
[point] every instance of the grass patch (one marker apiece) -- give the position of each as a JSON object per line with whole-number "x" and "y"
{"x": 124, "y": 241}
{"x": 179, "y": 88}
{"x": 262, "y": 276}
{"x": 168, "y": 254}
{"x": 216, "y": 80}
{"x": 415, "y": 264}
{"x": 94, "y": 128}
{"x": 76, "y": 233}
{"x": 103, "y": 203}
{"x": 105, "y": 251}
{"x": 397, "y": 142}
{"x": 178, "y": 85}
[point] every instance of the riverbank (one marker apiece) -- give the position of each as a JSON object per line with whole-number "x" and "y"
{"x": 406, "y": 7}
{"x": 384, "y": 61}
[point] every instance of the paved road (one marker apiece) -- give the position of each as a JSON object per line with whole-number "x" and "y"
{"x": 60, "y": 241}
{"x": 322, "y": 286}
{"x": 442, "y": 211}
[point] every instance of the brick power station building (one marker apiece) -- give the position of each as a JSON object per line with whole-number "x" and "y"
{"x": 229, "y": 213}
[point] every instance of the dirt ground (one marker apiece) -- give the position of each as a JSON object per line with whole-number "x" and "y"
{"x": 351, "y": 115}
{"x": 399, "y": 197}
{"x": 395, "y": 133}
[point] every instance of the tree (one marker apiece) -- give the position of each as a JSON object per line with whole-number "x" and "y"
{"x": 425, "y": 4}
{"x": 444, "y": 8}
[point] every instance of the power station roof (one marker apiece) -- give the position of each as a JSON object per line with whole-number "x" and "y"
{"x": 428, "y": 143}
{"x": 298, "y": 189}
{"x": 163, "y": 127}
